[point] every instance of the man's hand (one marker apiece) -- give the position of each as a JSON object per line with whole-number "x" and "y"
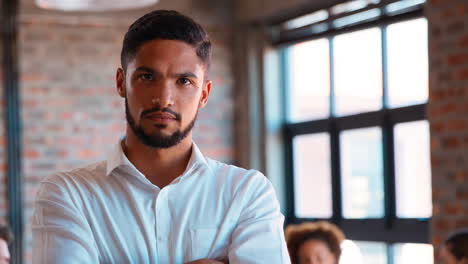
{"x": 209, "y": 261}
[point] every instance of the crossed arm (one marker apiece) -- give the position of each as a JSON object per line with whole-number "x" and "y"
{"x": 209, "y": 261}
{"x": 258, "y": 236}
{"x": 61, "y": 231}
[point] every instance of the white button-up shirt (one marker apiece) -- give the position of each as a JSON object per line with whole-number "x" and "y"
{"x": 109, "y": 212}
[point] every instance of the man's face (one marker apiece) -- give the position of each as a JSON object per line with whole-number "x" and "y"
{"x": 4, "y": 252}
{"x": 164, "y": 86}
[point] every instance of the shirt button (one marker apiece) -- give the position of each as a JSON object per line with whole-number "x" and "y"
{"x": 160, "y": 238}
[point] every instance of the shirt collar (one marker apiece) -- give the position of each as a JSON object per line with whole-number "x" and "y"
{"x": 117, "y": 158}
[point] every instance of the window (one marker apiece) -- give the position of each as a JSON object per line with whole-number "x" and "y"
{"x": 357, "y": 137}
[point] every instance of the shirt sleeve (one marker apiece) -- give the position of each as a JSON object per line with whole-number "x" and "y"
{"x": 259, "y": 236}
{"x": 60, "y": 232}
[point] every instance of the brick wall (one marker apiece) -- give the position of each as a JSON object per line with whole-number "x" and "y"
{"x": 448, "y": 115}
{"x": 71, "y": 113}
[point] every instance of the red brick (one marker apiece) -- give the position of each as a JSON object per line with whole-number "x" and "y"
{"x": 66, "y": 116}
{"x": 461, "y": 75}
{"x": 442, "y": 224}
{"x": 462, "y": 195}
{"x": 435, "y": 2}
{"x": 32, "y": 77}
{"x": 456, "y": 125}
{"x": 456, "y": 27}
{"x": 452, "y": 209}
{"x": 31, "y": 154}
{"x": 30, "y": 102}
{"x": 437, "y": 126}
{"x": 437, "y": 239}
{"x": 457, "y": 59}
{"x": 461, "y": 177}
{"x": 451, "y": 142}
{"x": 461, "y": 223}
{"x": 444, "y": 109}
{"x": 88, "y": 154}
{"x": 440, "y": 194}
{"x": 464, "y": 41}
{"x": 462, "y": 10}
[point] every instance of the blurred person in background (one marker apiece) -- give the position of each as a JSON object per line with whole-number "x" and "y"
{"x": 314, "y": 243}
{"x": 5, "y": 239}
{"x": 455, "y": 249}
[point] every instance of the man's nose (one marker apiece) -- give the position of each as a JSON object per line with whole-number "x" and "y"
{"x": 163, "y": 95}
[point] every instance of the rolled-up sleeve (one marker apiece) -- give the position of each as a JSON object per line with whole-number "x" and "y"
{"x": 258, "y": 236}
{"x": 60, "y": 232}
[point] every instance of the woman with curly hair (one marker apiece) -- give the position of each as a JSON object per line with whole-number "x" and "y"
{"x": 314, "y": 243}
{"x": 455, "y": 249}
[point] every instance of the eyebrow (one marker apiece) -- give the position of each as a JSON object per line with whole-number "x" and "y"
{"x": 187, "y": 74}
{"x": 145, "y": 69}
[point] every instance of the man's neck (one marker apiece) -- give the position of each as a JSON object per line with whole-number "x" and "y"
{"x": 160, "y": 165}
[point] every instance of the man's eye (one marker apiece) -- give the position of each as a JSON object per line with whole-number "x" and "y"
{"x": 184, "y": 81}
{"x": 146, "y": 77}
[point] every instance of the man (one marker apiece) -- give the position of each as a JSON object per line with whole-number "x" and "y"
{"x": 5, "y": 238}
{"x": 157, "y": 199}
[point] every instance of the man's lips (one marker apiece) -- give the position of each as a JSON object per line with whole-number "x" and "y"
{"x": 161, "y": 117}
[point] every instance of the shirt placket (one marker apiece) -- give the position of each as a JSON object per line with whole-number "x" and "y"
{"x": 162, "y": 228}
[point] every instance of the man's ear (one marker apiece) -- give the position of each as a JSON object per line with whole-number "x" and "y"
{"x": 120, "y": 82}
{"x": 205, "y": 94}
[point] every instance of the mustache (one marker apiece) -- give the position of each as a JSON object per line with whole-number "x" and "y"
{"x": 159, "y": 109}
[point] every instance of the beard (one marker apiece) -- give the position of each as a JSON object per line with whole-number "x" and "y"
{"x": 157, "y": 139}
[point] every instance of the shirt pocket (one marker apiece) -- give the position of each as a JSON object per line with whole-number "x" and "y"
{"x": 206, "y": 243}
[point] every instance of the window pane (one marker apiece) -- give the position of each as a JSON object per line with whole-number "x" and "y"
{"x": 373, "y": 252}
{"x": 306, "y": 20}
{"x": 407, "y": 63}
{"x": 350, "y": 253}
{"x": 413, "y": 253}
{"x": 351, "y": 6}
{"x": 309, "y": 80}
{"x": 358, "y": 71}
{"x": 413, "y": 170}
{"x": 362, "y": 173}
{"x": 402, "y": 6}
{"x": 357, "y": 18}
{"x": 312, "y": 178}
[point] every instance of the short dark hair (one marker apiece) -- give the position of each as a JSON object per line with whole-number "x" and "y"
{"x": 328, "y": 233}
{"x": 457, "y": 244}
{"x": 165, "y": 24}
{"x": 5, "y": 233}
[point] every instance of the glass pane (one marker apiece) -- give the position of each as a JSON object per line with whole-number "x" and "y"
{"x": 312, "y": 176}
{"x": 306, "y": 20}
{"x": 407, "y": 63}
{"x": 362, "y": 173}
{"x": 351, "y": 6}
{"x": 402, "y": 5}
{"x": 350, "y": 253}
{"x": 309, "y": 80}
{"x": 358, "y": 72}
{"x": 413, "y": 253}
{"x": 373, "y": 252}
{"x": 357, "y": 18}
{"x": 413, "y": 170}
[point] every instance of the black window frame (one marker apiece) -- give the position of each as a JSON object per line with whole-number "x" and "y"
{"x": 9, "y": 64}
{"x": 390, "y": 229}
